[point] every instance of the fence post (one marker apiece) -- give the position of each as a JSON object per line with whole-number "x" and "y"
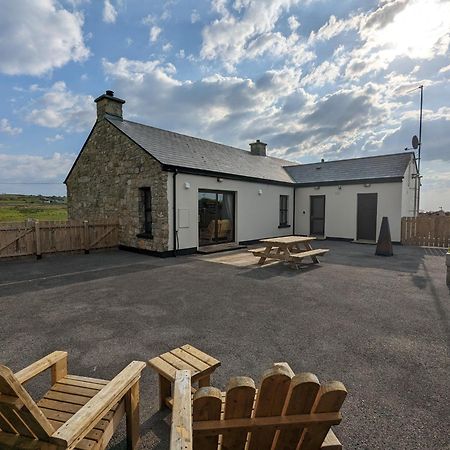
{"x": 37, "y": 235}
{"x": 447, "y": 262}
{"x": 86, "y": 237}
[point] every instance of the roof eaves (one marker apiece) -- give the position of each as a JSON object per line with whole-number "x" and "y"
{"x": 230, "y": 176}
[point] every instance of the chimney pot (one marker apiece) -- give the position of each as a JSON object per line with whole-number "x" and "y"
{"x": 258, "y": 148}
{"x": 108, "y": 104}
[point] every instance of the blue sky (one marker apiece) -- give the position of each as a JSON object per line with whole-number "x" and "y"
{"x": 312, "y": 78}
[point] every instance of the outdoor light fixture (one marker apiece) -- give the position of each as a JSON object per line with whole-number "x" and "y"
{"x": 316, "y": 188}
{"x": 187, "y": 185}
{"x": 219, "y": 180}
{"x": 367, "y": 185}
{"x": 259, "y": 191}
{"x": 339, "y": 187}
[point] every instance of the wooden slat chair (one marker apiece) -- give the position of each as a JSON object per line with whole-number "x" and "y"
{"x": 288, "y": 412}
{"x": 77, "y": 412}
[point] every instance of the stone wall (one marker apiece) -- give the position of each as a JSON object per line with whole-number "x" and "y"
{"x": 105, "y": 183}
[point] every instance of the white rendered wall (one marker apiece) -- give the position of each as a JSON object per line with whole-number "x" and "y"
{"x": 408, "y": 188}
{"x": 256, "y": 215}
{"x": 341, "y": 208}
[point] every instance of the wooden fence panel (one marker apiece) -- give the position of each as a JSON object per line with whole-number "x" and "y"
{"x": 37, "y": 238}
{"x": 426, "y": 231}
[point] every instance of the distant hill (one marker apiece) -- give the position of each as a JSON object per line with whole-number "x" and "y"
{"x": 17, "y": 207}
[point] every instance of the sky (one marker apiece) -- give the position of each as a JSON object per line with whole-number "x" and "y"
{"x": 312, "y": 78}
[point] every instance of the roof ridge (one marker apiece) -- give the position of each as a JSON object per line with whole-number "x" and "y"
{"x": 353, "y": 159}
{"x": 197, "y": 138}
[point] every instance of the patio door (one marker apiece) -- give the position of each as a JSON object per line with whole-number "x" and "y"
{"x": 317, "y": 215}
{"x": 215, "y": 217}
{"x": 366, "y": 229}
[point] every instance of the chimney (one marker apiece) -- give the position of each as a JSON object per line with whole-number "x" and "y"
{"x": 258, "y": 148}
{"x": 108, "y": 104}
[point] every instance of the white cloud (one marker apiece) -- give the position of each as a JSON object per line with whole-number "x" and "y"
{"x": 60, "y": 108}
{"x": 249, "y": 32}
{"x": 293, "y": 23}
{"x": 109, "y": 12}
{"x": 55, "y": 138}
{"x": 195, "y": 16}
{"x": 33, "y": 168}
{"x": 155, "y": 31}
{"x": 6, "y": 127}
{"x": 335, "y": 27}
{"x": 417, "y": 29}
{"x": 167, "y": 47}
{"x": 38, "y": 36}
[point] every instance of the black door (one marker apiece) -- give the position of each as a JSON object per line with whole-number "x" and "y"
{"x": 367, "y": 217}
{"x": 317, "y": 217}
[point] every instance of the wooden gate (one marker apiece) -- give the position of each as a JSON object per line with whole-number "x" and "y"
{"x": 33, "y": 237}
{"x": 426, "y": 231}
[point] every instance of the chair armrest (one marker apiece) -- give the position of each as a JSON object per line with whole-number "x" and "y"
{"x": 181, "y": 428}
{"x": 88, "y": 416}
{"x": 50, "y": 361}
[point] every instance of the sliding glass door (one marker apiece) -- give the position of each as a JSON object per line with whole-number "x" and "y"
{"x": 215, "y": 217}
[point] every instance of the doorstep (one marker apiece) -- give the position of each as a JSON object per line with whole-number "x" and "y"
{"x": 215, "y": 248}
{"x": 364, "y": 241}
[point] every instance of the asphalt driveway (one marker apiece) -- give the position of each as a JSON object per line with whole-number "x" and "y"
{"x": 379, "y": 325}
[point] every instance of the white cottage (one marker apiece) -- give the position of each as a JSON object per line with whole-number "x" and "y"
{"x": 174, "y": 193}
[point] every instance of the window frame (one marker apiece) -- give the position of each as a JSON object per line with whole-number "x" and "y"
{"x": 145, "y": 213}
{"x": 284, "y": 211}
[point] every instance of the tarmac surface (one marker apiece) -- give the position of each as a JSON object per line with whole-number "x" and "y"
{"x": 378, "y": 324}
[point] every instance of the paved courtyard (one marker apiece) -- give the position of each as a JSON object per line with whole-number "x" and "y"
{"x": 380, "y": 325}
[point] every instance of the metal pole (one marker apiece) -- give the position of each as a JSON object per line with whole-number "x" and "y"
{"x": 420, "y": 145}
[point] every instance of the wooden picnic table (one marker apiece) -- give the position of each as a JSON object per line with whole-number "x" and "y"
{"x": 291, "y": 249}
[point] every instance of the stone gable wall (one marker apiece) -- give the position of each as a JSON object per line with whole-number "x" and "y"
{"x": 105, "y": 183}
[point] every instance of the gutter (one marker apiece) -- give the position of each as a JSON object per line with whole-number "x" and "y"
{"x": 293, "y": 213}
{"x": 174, "y": 205}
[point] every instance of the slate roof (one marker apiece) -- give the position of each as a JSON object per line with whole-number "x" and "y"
{"x": 178, "y": 150}
{"x": 368, "y": 168}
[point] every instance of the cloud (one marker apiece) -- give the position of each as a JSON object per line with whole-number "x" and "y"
{"x": 293, "y": 23}
{"x": 38, "y": 36}
{"x": 335, "y": 27}
{"x": 33, "y": 168}
{"x": 60, "y": 108}
{"x": 195, "y": 16}
{"x": 109, "y": 12}
{"x": 417, "y": 30}
{"x": 155, "y": 31}
{"x": 6, "y": 127}
{"x": 247, "y": 32}
{"x": 56, "y": 137}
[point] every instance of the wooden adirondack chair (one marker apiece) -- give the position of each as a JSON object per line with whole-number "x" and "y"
{"x": 288, "y": 412}
{"x": 77, "y": 412}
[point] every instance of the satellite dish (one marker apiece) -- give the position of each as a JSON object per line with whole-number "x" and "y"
{"x": 415, "y": 142}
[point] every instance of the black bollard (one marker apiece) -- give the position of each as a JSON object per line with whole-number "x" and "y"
{"x": 384, "y": 244}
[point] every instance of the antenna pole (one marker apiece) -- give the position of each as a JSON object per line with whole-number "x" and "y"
{"x": 420, "y": 145}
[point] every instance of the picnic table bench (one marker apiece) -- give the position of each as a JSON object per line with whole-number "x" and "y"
{"x": 291, "y": 249}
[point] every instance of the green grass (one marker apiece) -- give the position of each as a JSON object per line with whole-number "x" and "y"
{"x": 14, "y": 208}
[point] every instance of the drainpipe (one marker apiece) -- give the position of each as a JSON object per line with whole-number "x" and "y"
{"x": 174, "y": 204}
{"x": 293, "y": 214}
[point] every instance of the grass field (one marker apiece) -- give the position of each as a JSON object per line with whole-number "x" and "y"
{"x": 15, "y": 207}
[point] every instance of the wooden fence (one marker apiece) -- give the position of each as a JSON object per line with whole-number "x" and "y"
{"x": 426, "y": 231}
{"x": 33, "y": 237}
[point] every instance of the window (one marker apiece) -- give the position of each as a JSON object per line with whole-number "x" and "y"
{"x": 146, "y": 211}
{"x": 284, "y": 210}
